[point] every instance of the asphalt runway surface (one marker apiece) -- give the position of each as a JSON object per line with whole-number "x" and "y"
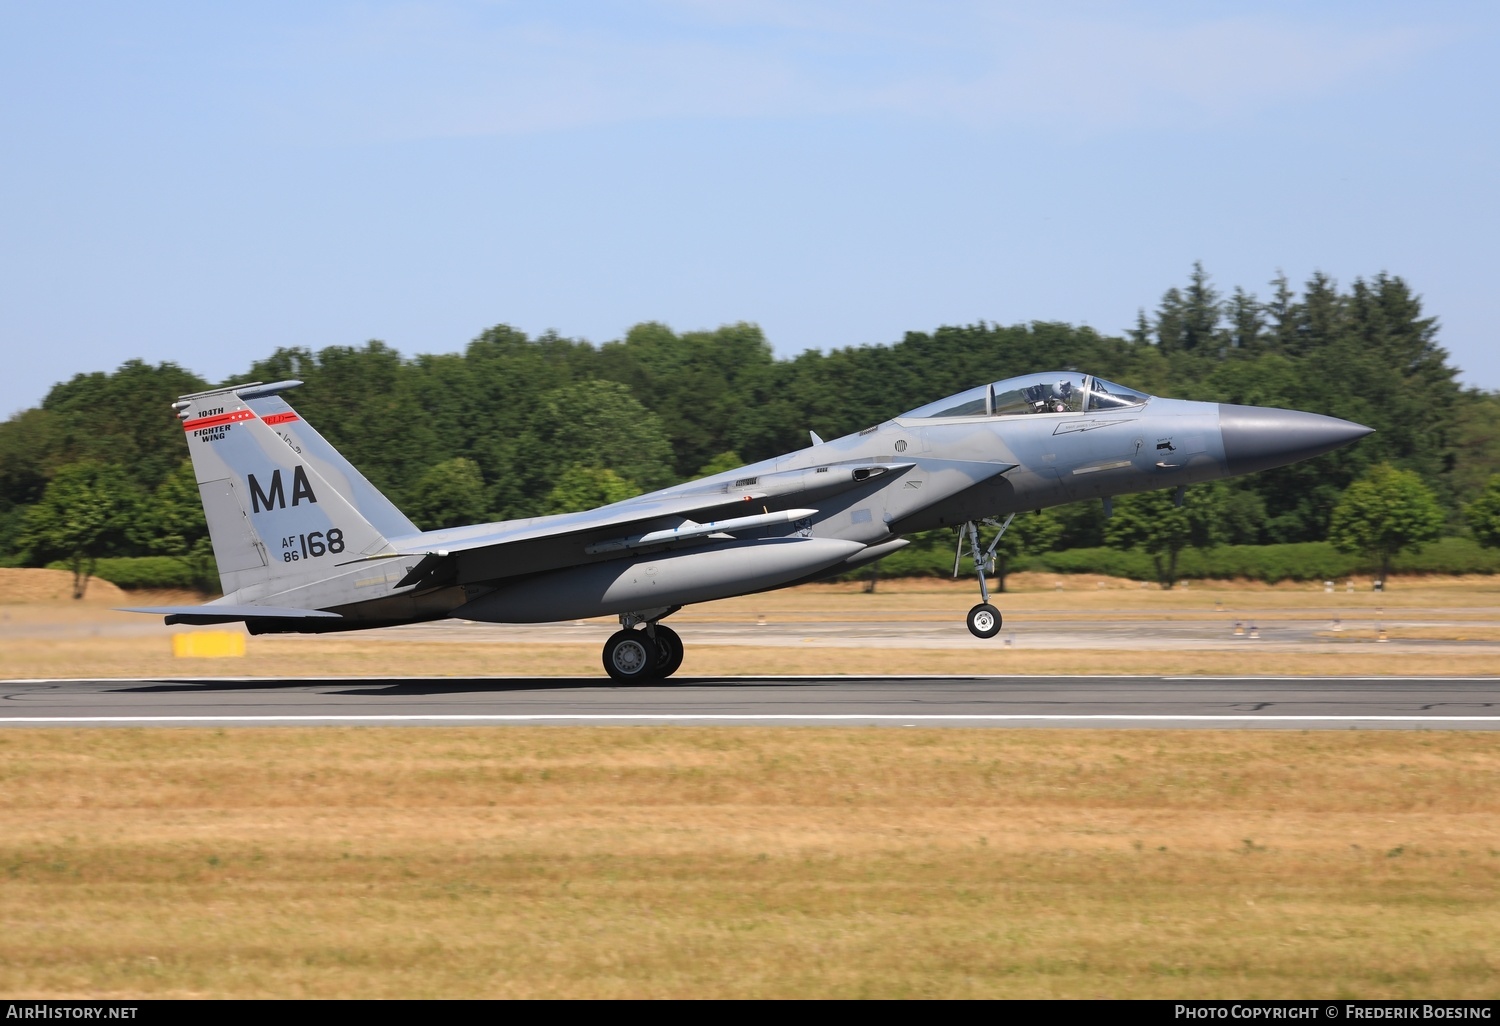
{"x": 1323, "y": 703}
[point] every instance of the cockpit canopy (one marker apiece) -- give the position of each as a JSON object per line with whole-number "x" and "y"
{"x": 1049, "y": 392}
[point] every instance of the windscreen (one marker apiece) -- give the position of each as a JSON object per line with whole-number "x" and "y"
{"x": 1106, "y": 395}
{"x": 1049, "y": 392}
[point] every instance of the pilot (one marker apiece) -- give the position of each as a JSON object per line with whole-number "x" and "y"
{"x": 1059, "y": 400}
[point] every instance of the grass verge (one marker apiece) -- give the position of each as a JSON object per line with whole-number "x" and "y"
{"x": 561, "y": 862}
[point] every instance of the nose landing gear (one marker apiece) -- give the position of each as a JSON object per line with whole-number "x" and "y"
{"x": 984, "y": 620}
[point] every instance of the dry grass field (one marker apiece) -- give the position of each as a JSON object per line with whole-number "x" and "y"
{"x": 738, "y": 862}
{"x": 672, "y": 863}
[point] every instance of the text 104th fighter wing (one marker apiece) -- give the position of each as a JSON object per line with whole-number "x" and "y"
{"x": 305, "y": 543}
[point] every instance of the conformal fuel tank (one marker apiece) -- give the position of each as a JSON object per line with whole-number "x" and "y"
{"x": 664, "y": 579}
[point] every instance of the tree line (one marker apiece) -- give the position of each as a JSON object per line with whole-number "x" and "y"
{"x": 517, "y": 426}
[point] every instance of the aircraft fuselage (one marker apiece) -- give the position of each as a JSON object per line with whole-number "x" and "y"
{"x": 305, "y": 543}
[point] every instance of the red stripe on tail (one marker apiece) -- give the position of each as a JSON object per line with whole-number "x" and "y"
{"x": 217, "y": 420}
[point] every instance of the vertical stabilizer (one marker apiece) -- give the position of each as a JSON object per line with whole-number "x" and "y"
{"x": 280, "y": 514}
{"x": 331, "y": 464}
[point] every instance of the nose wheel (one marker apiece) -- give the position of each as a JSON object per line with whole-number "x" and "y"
{"x": 984, "y": 620}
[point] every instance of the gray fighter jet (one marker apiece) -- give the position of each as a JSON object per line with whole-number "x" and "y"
{"x": 306, "y": 544}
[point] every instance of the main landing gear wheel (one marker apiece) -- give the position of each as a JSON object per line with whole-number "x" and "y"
{"x": 984, "y": 621}
{"x": 629, "y": 656}
{"x": 668, "y": 652}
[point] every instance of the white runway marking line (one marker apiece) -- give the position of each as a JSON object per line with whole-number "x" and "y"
{"x": 1311, "y": 680}
{"x": 714, "y": 680}
{"x": 745, "y": 718}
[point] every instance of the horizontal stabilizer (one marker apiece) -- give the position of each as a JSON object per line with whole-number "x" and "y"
{"x": 425, "y": 566}
{"x": 230, "y": 614}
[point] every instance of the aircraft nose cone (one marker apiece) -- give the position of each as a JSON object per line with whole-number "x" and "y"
{"x": 1257, "y": 438}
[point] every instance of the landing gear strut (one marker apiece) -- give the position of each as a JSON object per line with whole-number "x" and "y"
{"x": 638, "y": 653}
{"x": 984, "y": 620}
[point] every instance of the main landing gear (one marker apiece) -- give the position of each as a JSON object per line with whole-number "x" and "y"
{"x": 984, "y": 620}
{"x": 641, "y": 653}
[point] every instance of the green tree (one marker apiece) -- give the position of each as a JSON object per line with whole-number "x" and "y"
{"x": 582, "y": 487}
{"x": 720, "y": 463}
{"x": 1241, "y": 515}
{"x": 1171, "y": 315}
{"x": 699, "y": 383}
{"x": 172, "y": 523}
{"x": 1484, "y": 514}
{"x": 450, "y": 494}
{"x": 1282, "y": 313}
{"x": 84, "y": 513}
{"x": 1385, "y": 512}
{"x": 1476, "y": 442}
{"x": 124, "y": 419}
{"x": 1201, "y": 312}
{"x": 1393, "y": 376}
{"x": 1247, "y": 321}
{"x": 600, "y": 424}
{"x": 490, "y": 402}
{"x": 27, "y": 448}
{"x": 173, "y": 520}
{"x": 1155, "y": 522}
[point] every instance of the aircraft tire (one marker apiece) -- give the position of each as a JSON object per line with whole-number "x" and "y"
{"x": 984, "y": 621}
{"x": 629, "y": 656}
{"x": 669, "y": 652}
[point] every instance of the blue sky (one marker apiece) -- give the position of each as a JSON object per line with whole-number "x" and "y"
{"x": 201, "y": 183}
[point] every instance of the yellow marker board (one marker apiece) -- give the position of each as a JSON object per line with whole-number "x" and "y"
{"x": 208, "y": 645}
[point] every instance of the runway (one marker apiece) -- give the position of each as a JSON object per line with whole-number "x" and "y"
{"x": 1322, "y": 703}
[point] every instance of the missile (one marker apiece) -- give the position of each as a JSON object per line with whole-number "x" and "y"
{"x": 810, "y": 482}
{"x": 689, "y": 529}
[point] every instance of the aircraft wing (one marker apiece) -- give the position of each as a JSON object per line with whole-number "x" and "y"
{"x": 695, "y": 499}
{"x": 615, "y": 515}
{"x": 523, "y": 546}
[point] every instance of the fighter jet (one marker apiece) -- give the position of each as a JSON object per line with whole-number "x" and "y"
{"x": 306, "y": 544}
